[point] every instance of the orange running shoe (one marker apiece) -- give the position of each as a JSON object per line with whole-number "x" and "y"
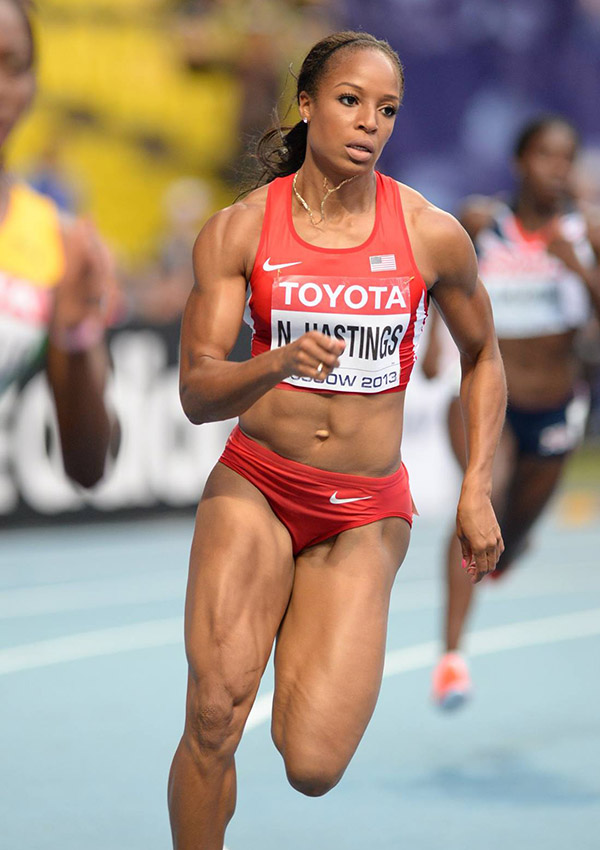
{"x": 451, "y": 683}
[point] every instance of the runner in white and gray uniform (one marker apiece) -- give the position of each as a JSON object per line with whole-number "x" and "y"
{"x": 533, "y": 293}
{"x": 539, "y": 262}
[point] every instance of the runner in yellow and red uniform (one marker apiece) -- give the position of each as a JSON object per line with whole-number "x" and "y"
{"x": 55, "y": 278}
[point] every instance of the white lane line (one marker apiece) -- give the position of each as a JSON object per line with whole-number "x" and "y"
{"x": 87, "y": 595}
{"x": 113, "y": 641}
{"x": 427, "y": 593}
{"x": 484, "y": 642}
{"x": 166, "y": 586}
{"x": 157, "y": 633}
{"x": 581, "y": 624}
{"x": 261, "y": 711}
{"x": 165, "y": 632}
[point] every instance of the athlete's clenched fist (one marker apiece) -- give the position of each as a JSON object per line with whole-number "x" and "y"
{"x": 313, "y": 355}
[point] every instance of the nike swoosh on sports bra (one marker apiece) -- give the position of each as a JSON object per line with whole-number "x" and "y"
{"x": 533, "y": 293}
{"x": 371, "y": 296}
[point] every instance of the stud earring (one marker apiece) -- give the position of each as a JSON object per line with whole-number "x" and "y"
{"x": 305, "y": 120}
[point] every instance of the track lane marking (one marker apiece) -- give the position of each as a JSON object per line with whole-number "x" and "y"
{"x": 88, "y": 595}
{"x": 77, "y": 647}
{"x": 168, "y": 632}
{"x": 167, "y": 586}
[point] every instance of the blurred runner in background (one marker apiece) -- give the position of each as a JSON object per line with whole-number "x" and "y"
{"x": 538, "y": 258}
{"x": 56, "y": 280}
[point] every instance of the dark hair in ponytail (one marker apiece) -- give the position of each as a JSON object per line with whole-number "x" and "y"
{"x": 281, "y": 150}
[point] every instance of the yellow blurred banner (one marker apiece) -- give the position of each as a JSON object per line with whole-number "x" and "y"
{"x": 121, "y": 113}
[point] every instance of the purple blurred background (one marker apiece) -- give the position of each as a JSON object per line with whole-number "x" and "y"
{"x": 476, "y": 70}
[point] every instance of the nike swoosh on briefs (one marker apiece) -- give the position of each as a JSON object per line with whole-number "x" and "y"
{"x": 335, "y": 501}
{"x": 271, "y": 268}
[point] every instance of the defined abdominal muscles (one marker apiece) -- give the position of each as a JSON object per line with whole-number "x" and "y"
{"x": 365, "y": 432}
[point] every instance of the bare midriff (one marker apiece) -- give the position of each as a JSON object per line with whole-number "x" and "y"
{"x": 540, "y": 372}
{"x": 340, "y": 432}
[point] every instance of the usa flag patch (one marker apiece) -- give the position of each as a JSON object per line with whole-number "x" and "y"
{"x": 383, "y": 263}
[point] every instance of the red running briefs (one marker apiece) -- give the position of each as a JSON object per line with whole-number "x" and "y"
{"x": 312, "y": 503}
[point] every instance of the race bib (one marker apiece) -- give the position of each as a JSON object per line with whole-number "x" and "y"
{"x": 533, "y": 294}
{"x": 370, "y": 317}
{"x": 530, "y": 306}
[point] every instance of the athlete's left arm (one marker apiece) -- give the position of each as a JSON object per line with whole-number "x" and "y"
{"x": 562, "y": 248}
{"x": 465, "y": 307}
{"x": 77, "y": 361}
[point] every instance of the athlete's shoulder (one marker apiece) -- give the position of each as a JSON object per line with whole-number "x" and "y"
{"x": 37, "y": 208}
{"x": 28, "y": 201}
{"x": 233, "y": 233}
{"x": 240, "y": 218}
{"x": 442, "y": 242}
{"x": 27, "y": 192}
{"x": 434, "y": 226}
{"x": 32, "y": 235}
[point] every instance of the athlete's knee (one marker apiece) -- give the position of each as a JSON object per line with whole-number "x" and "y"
{"x": 309, "y": 768}
{"x": 312, "y": 778}
{"x": 214, "y": 722}
{"x": 313, "y": 764}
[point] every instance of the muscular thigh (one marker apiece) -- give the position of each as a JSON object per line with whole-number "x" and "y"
{"x": 331, "y": 647}
{"x": 240, "y": 579}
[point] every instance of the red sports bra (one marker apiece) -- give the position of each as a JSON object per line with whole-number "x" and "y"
{"x": 371, "y": 296}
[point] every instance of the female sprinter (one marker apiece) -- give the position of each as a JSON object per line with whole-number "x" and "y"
{"x": 540, "y": 268}
{"x": 304, "y": 522}
{"x": 53, "y": 280}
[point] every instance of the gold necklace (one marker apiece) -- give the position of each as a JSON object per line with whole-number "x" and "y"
{"x": 328, "y": 192}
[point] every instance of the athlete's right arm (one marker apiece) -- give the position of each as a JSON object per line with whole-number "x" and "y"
{"x": 212, "y": 388}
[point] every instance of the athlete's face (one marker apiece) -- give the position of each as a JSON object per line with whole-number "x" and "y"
{"x": 17, "y": 81}
{"x": 352, "y": 114}
{"x": 546, "y": 165}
